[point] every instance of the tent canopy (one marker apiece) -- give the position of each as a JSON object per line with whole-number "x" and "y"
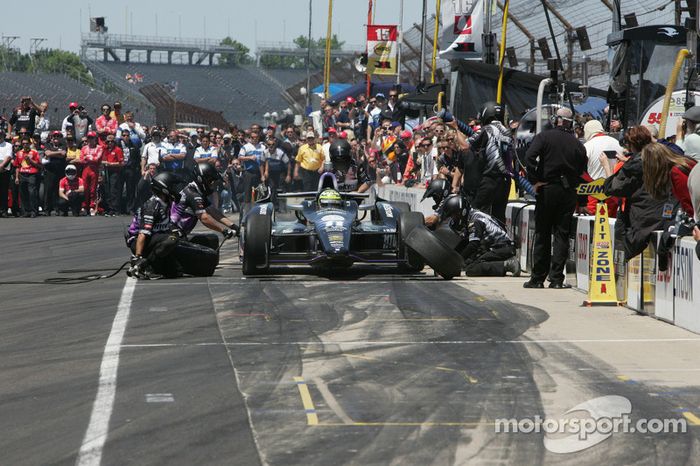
{"x": 477, "y": 84}
{"x": 375, "y": 88}
{"x": 333, "y": 88}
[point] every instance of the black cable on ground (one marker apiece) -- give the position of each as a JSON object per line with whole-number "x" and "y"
{"x": 71, "y": 280}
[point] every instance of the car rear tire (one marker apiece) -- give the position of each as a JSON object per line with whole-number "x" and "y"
{"x": 409, "y": 221}
{"x": 445, "y": 261}
{"x": 256, "y": 246}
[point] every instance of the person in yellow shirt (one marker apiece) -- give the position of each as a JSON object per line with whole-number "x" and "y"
{"x": 309, "y": 163}
{"x": 117, "y": 113}
{"x": 72, "y": 152}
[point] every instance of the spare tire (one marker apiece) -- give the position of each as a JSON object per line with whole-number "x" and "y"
{"x": 401, "y": 206}
{"x": 256, "y": 245}
{"x": 196, "y": 259}
{"x": 409, "y": 221}
{"x": 448, "y": 236}
{"x": 445, "y": 261}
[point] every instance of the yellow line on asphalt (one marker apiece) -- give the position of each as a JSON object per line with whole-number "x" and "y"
{"x": 406, "y": 424}
{"x": 466, "y": 376}
{"x": 692, "y": 418}
{"x": 311, "y": 416}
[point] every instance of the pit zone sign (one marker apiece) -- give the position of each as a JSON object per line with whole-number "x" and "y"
{"x": 382, "y": 49}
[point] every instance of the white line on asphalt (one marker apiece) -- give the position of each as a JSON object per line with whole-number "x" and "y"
{"x": 452, "y": 342}
{"x": 96, "y": 434}
{"x": 159, "y": 398}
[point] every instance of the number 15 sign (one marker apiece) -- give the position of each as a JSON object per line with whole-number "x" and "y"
{"x": 381, "y": 49}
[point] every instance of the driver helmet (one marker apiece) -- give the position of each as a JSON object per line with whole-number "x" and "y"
{"x": 206, "y": 177}
{"x": 71, "y": 172}
{"x": 330, "y": 198}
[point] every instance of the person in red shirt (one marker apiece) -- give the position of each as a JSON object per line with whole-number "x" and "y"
{"x": 91, "y": 158}
{"x": 113, "y": 161}
{"x": 105, "y": 123}
{"x": 71, "y": 191}
{"x": 664, "y": 169}
{"x": 28, "y": 166}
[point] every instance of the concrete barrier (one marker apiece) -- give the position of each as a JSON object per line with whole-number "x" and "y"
{"x": 399, "y": 193}
{"x": 584, "y": 233}
{"x": 686, "y": 285}
{"x": 663, "y": 293}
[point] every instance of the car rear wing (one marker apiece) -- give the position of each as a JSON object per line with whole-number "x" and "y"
{"x": 313, "y": 194}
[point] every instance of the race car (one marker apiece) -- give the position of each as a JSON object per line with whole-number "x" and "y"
{"x": 330, "y": 230}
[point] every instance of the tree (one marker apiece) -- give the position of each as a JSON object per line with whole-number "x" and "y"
{"x": 317, "y": 46}
{"x": 240, "y": 57}
{"x": 46, "y": 61}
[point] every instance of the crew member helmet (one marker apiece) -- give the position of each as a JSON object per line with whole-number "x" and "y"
{"x": 455, "y": 206}
{"x": 71, "y": 172}
{"x": 206, "y": 177}
{"x": 339, "y": 152}
{"x": 165, "y": 183}
{"x": 437, "y": 190}
{"x": 491, "y": 111}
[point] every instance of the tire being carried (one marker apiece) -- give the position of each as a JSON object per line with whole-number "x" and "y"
{"x": 444, "y": 260}
{"x": 196, "y": 259}
{"x": 256, "y": 246}
{"x": 409, "y": 221}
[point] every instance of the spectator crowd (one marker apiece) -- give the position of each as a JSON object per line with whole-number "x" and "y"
{"x": 103, "y": 166}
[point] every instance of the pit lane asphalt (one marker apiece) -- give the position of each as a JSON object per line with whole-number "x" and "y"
{"x": 366, "y": 367}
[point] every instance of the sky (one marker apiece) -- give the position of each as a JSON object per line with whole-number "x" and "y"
{"x": 248, "y": 21}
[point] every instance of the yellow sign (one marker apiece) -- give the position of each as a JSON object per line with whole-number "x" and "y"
{"x": 602, "y": 277}
{"x": 593, "y": 189}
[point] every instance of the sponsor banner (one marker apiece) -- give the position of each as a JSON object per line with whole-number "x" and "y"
{"x": 584, "y": 230}
{"x": 686, "y": 285}
{"x": 462, "y": 26}
{"x": 593, "y": 189}
{"x": 649, "y": 278}
{"x": 382, "y": 49}
{"x": 663, "y": 293}
{"x": 652, "y": 115}
{"x": 634, "y": 283}
{"x": 513, "y": 210}
{"x": 620, "y": 264}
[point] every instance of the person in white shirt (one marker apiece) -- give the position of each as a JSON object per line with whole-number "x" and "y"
{"x": 252, "y": 156}
{"x": 206, "y": 152}
{"x": 174, "y": 159}
{"x": 332, "y": 137}
{"x": 5, "y": 174}
{"x": 597, "y": 142}
{"x": 689, "y": 140}
{"x": 133, "y": 126}
{"x": 152, "y": 152}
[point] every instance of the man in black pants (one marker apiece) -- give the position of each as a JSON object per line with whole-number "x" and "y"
{"x": 492, "y": 143}
{"x": 489, "y": 251}
{"x": 54, "y": 170}
{"x": 555, "y": 160}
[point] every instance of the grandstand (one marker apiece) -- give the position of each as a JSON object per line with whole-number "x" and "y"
{"x": 243, "y": 93}
{"x": 59, "y": 90}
